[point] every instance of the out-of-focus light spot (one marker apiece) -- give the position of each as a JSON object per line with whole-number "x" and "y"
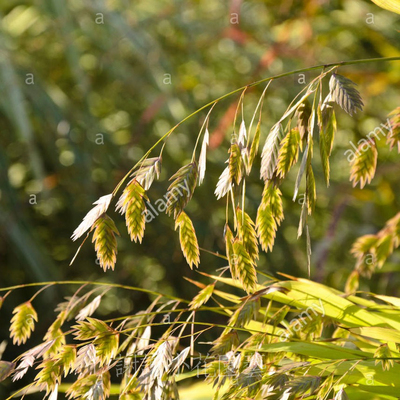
{"x": 33, "y": 186}
{"x": 48, "y": 207}
{"x": 116, "y": 121}
{"x": 16, "y": 174}
{"x": 88, "y": 62}
{"x": 61, "y": 143}
{"x": 135, "y": 153}
{"x": 67, "y": 158}
{"x": 63, "y": 127}
{"x": 290, "y": 234}
{"x": 164, "y": 28}
{"x": 243, "y": 65}
{"x": 125, "y": 306}
{"x": 276, "y": 66}
{"x": 61, "y": 253}
{"x": 201, "y": 92}
{"x": 162, "y": 126}
{"x": 19, "y": 19}
{"x": 226, "y": 46}
{"x": 176, "y": 108}
{"x": 121, "y": 137}
{"x": 99, "y": 175}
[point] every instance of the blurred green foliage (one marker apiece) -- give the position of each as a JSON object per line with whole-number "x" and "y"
{"x": 88, "y": 86}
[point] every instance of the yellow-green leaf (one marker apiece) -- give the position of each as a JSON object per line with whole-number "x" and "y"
{"x": 391, "y": 5}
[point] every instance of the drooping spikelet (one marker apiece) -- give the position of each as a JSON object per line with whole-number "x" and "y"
{"x": 181, "y": 189}
{"x": 393, "y": 137}
{"x": 364, "y": 164}
{"x": 270, "y": 152}
{"x": 101, "y": 207}
{"x": 22, "y": 323}
{"x": 105, "y": 241}
{"x": 344, "y": 93}
{"x": 132, "y": 204}
{"x": 269, "y": 216}
{"x": 288, "y": 152}
{"x": 188, "y": 239}
{"x": 149, "y": 169}
{"x": 247, "y": 233}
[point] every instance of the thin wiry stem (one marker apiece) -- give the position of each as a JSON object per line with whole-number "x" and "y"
{"x": 297, "y": 71}
{"x": 205, "y": 123}
{"x": 259, "y": 106}
{"x": 115, "y": 285}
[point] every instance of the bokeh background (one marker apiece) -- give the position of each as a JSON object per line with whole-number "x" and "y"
{"x": 87, "y": 86}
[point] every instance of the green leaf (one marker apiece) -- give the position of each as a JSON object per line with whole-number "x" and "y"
{"x": 376, "y": 332}
{"x": 322, "y": 351}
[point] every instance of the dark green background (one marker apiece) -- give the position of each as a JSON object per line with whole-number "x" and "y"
{"x": 111, "y": 78}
